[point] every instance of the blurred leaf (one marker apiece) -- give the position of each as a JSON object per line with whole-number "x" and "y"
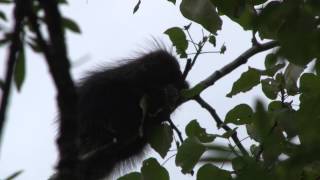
{"x": 189, "y": 154}
{"x": 247, "y": 81}
{"x": 238, "y": 163}
{"x": 62, "y": 2}
{"x": 152, "y": 170}
{"x": 71, "y": 25}
{"x": 33, "y": 43}
{"x": 212, "y": 40}
{"x": 240, "y": 114}
{"x": 14, "y": 175}
{"x": 193, "y": 129}
{"x": 131, "y": 176}
{"x": 136, "y": 7}
{"x": 20, "y": 70}
{"x": 6, "y": 1}
{"x": 173, "y": 1}
{"x": 3, "y": 16}
{"x": 179, "y": 40}
{"x": 209, "y": 171}
{"x": 270, "y": 88}
{"x": 161, "y": 139}
{"x": 291, "y": 75}
{"x": 202, "y": 12}
{"x": 1, "y": 84}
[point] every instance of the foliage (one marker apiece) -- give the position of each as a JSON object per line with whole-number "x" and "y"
{"x": 285, "y": 132}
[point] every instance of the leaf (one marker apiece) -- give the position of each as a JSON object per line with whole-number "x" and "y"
{"x": 20, "y": 70}
{"x": 131, "y": 176}
{"x": 173, "y": 1}
{"x": 247, "y": 81}
{"x": 270, "y": 88}
{"x": 6, "y": 1}
{"x": 209, "y": 171}
{"x": 161, "y": 139}
{"x": 136, "y": 7}
{"x": 291, "y": 75}
{"x": 270, "y": 60}
{"x": 240, "y": 114}
{"x": 238, "y": 163}
{"x": 223, "y": 49}
{"x": 1, "y": 84}
{"x": 179, "y": 40}
{"x": 193, "y": 129}
{"x": 212, "y": 40}
{"x": 189, "y": 154}
{"x": 3, "y": 16}
{"x": 202, "y": 12}
{"x": 14, "y": 175}
{"x": 71, "y": 25}
{"x": 152, "y": 170}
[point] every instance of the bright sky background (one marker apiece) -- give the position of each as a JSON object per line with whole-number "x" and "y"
{"x": 110, "y": 32}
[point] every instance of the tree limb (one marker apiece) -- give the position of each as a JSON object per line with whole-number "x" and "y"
{"x": 11, "y": 61}
{"x": 242, "y": 59}
{"x": 59, "y": 67}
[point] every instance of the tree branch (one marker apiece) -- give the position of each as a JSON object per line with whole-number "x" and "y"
{"x": 242, "y": 59}
{"x": 67, "y": 98}
{"x": 220, "y": 124}
{"x": 11, "y": 61}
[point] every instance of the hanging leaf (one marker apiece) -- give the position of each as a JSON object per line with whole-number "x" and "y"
{"x": 152, "y": 170}
{"x": 71, "y": 25}
{"x": 161, "y": 139}
{"x": 209, "y": 171}
{"x": 193, "y": 129}
{"x": 20, "y": 70}
{"x": 241, "y": 114}
{"x": 179, "y": 40}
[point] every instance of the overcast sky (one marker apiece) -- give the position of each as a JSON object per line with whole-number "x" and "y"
{"x": 111, "y": 32}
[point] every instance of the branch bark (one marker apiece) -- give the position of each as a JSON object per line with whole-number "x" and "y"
{"x": 56, "y": 56}
{"x": 11, "y": 61}
{"x": 242, "y": 59}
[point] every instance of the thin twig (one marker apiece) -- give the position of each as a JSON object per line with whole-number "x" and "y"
{"x": 11, "y": 61}
{"x": 174, "y": 127}
{"x": 205, "y": 52}
{"x": 220, "y": 123}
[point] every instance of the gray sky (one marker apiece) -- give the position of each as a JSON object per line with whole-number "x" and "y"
{"x": 110, "y": 32}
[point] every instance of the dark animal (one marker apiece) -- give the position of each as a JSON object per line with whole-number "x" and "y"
{"x": 118, "y": 108}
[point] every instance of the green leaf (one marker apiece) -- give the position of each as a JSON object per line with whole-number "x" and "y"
{"x": 179, "y": 40}
{"x": 14, "y": 175}
{"x": 1, "y": 84}
{"x": 173, "y": 1}
{"x": 247, "y": 81}
{"x": 212, "y": 40}
{"x": 241, "y": 114}
{"x": 71, "y": 25}
{"x": 20, "y": 70}
{"x": 62, "y": 2}
{"x": 270, "y": 60}
{"x": 193, "y": 129}
{"x": 136, "y": 7}
{"x": 291, "y": 75}
{"x": 189, "y": 154}
{"x": 6, "y": 1}
{"x": 3, "y": 16}
{"x": 161, "y": 139}
{"x": 209, "y": 171}
{"x": 131, "y": 176}
{"x": 152, "y": 170}
{"x": 202, "y": 12}
{"x": 223, "y": 49}
{"x": 270, "y": 88}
